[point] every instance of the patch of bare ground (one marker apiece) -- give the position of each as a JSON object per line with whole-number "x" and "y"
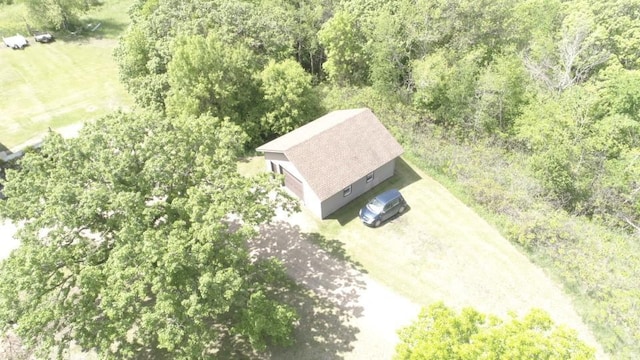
{"x": 345, "y": 314}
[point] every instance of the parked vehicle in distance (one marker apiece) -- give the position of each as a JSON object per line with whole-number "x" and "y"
{"x": 383, "y": 207}
{"x": 43, "y": 37}
{"x": 15, "y": 42}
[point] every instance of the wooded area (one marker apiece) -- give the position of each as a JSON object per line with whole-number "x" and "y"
{"x": 441, "y": 334}
{"x": 527, "y": 109}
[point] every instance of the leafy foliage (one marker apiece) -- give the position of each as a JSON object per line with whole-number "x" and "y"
{"x": 205, "y": 57}
{"x": 309, "y": 16}
{"x": 620, "y": 22}
{"x": 289, "y": 97}
{"x": 58, "y": 14}
{"x": 440, "y": 333}
{"x": 445, "y": 90}
{"x": 207, "y": 76}
{"x": 134, "y": 242}
{"x": 343, "y": 40}
{"x": 576, "y": 55}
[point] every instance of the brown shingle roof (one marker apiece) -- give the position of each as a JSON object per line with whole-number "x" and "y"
{"x": 337, "y": 149}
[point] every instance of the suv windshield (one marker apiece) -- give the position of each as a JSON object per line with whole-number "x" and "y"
{"x": 375, "y": 206}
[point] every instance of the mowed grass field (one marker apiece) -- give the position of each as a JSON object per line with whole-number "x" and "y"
{"x": 69, "y": 81}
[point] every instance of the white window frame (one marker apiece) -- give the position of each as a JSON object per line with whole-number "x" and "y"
{"x": 370, "y": 177}
{"x": 346, "y": 191}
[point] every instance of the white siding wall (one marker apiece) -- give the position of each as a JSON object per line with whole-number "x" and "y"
{"x": 311, "y": 201}
{"x": 280, "y": 159}
{"x": 358, "y": 188}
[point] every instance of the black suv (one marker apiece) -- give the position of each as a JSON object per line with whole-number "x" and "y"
{"x": 382, "y": 207}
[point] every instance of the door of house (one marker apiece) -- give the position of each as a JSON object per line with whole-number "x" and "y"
{"x": 292, "y": 183}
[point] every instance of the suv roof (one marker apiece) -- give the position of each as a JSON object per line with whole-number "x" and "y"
{"x": 388, "y": 195}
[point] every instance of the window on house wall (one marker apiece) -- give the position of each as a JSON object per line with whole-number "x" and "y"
{"x": 273, "y": 167}
{"x": 370, "y": 177}
{"x": 346, "y": 191}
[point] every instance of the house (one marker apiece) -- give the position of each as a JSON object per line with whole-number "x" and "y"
{"x": 332, "y": 160}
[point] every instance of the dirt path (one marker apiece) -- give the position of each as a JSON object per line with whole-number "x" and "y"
{"x": 348, "y": 315}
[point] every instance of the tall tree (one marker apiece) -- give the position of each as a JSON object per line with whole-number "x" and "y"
{"x": 343, "y": 39}
{"x": 621, "y": 22}
{"x": 396, "y": 38}
{"x": 209, "y": 76}
{"x": 133, "y": 242}
{"x": 555, "y": 128}
{"x": 264, "y": 28}
{"x": 309, "y": 16}
{"x": 446, "y": 89}
{"x": 501, "y": 93}
{"x": 58, "y": 14}
{"x": 578, "y": 53}
{"x": 289, "y": 97}
{"x": 441, "y": 333}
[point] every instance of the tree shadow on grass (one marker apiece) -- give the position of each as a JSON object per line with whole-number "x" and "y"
{"x": 403, "y": 177}
{"x": 92, "y": 29}
{"x": 328, "y": 296}
{"x": 335, "y": 248}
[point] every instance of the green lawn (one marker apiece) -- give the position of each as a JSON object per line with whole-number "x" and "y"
{"x": 74, "y": 79}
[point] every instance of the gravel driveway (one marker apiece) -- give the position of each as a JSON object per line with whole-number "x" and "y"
{"x": 348, "y": 315}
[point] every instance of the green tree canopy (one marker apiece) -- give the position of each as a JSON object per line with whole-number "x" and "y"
{"x": 208, "y": 76}
{"x": 264, "y": 28}
{"x": 289, "y": 97}
{"x": 133, "y": 242}
{"x": 441, "y": 333}
{"x": 58, "y": 14}
{"x": 347, "y": 62}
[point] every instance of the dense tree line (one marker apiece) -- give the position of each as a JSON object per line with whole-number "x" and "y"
{"x": 231, "y": 59}
{"x": 554, "y": 79}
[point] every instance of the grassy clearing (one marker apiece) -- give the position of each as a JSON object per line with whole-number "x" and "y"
{"x": 251, "y": 165}
{"x": 403, "y": 252}
{"x": 112, "y": 16}
{"x": 74, "y": 79}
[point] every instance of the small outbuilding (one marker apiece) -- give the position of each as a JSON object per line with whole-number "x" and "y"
{"x": 332, "y": 160}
